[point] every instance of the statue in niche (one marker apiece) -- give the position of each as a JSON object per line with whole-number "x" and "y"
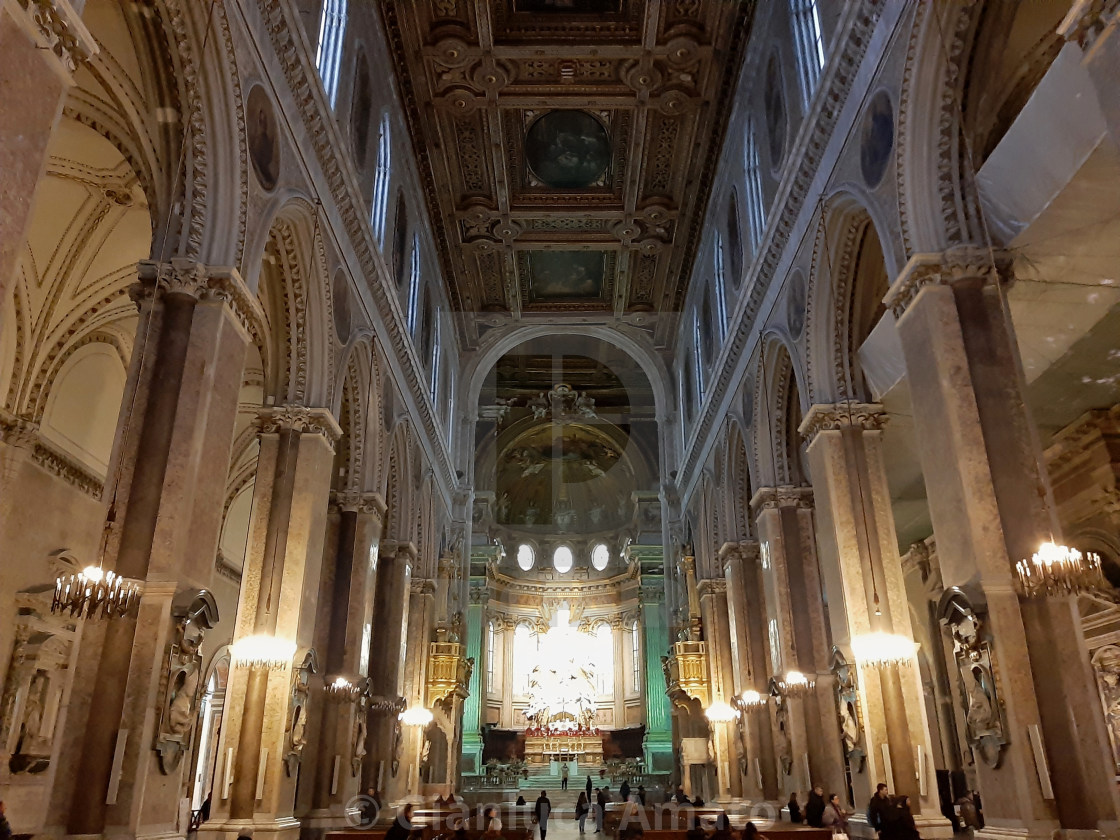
{"x": 785, "y": 746}
{"x": 297, "y": 725}
{"x": 398, "y": 742}
{"x": 195, "y": 612}
{"x": 358, "y": 753}
{"x": 597, "y": 514}
{"x": 847, "y": 701}
{"x": 1106, "y": 667}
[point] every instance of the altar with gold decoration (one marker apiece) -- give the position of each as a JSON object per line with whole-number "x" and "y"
{"x": 577, "y": 746}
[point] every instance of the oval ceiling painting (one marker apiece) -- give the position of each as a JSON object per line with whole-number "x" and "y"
{"x": 876, "y": 139}
{"x": 264, "y": 140}
{"x": 567, "y": 149}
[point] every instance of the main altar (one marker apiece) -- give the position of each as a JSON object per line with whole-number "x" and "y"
{"x": 577, "y": 747}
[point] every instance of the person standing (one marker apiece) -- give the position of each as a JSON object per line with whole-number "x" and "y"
{"x": 624, "y": 790}
{"x": 794, "y": 808}
{"x": 587, "y": 787}
{"x": 642, "y": 794}
{"x": 582, "y": 807}
{"x": 600, "y": 808}
{"x": 541, "y": 810}
{"x": 5, "y": 827}
{"x": 564, "y": 776}
{"x": 878, "y": 807}
{"x": 814, "y": 808}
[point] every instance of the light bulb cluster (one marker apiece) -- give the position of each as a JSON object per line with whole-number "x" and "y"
{"x": 794, "y": 684}
{"x": 343, "y": 690}
{"x": 883, "y": 650}
{"x": 416, "y": 716}
{"x": 263, "y": 651}
{"x": 721, "y": 712}
{"x": 96, "y": 593}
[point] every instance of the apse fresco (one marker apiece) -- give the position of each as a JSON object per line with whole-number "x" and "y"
{"x": 567, "y": 149}
{"x": 565, "y": 275}
{"x": 585, "y": 6}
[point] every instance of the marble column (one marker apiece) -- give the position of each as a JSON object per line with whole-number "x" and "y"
{"x": 746, "y": 624}
{"x": 345, "y": 634}
{"x": 658, "y": 745}
{"x": 164, "y": 506}
{"x": 265, "y": 725}
{"x": 791, "y": 576}
{"x": 477, "y": 628}
{"x": 386, "y": 664}
{"x": 421, "y": 608}
{"x": 717, "y": 633}
{"x": 988, "y": 499}
{"x": 41, "y": 46}
{"x": 867, "y": 593}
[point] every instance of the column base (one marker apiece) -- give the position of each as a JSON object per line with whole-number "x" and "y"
{"x": 260, "y": 828}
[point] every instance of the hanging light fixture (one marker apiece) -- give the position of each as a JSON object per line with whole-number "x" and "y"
{"x": 721, "y": 712}
{"x": 794, "y": 684}
{"x": 1058, "y": 570}
{"x": 883, "y": 650}
{"x": 343, "y": 690}
{"x": 416, "y": 716}
{"x": 95, "y": 593}
{"x": 750, "y": 701}
{"x": 263, "y": 651}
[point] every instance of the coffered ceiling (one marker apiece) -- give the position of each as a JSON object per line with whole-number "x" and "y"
{"x": 567, "y": 148}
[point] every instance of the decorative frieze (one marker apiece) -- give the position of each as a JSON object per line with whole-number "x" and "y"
{"x": 869, "y": 417}
{"x": 786, "y": 496}
{"x": 366, "y": 504}
{"x": 204, "y": 283}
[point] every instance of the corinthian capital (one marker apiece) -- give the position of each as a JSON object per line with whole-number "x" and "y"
{"x": 57, "y": 30}
{"x": 964, "y": 264}
{"x": 366, "y": 504}
{"x": 299, "y": 418}
{"x": 869, "y": 417}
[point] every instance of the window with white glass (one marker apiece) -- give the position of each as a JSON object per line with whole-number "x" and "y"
{"x": 381, "y": 178}
{"x": 720, "y": 266}
{"x": 562, "y": 559}
{"x": 756, "y": 213}
{"x": 328, "y": 56}
{"x": 636, "y": 658}
{"x": 525, "y": 648}
{"x": 810, "y": 45}
{"x": 604, "y": 659}
{"x": 525, "y": 556}
{"x": 414, "y": 285}
{"x": 490, "y": 634}
{"x": 600, "y": 556}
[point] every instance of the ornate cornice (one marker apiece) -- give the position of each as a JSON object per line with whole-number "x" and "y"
{"x": 184, "y": 276}
{"x": 367, "y": 504}
{"x": 743, "y": 553}
{"x": 57, "y": 30}
{"x": 300, "y": 418}
{"x": 712, "y": 586}
{"x": 836, "y": 417}
{"x": 18, "y": 431}
{"x": 73, "y": 473}
{"x": 852, "y": 40}
{"x": 966, "y": 264}
{"x": 771, "y": 498}
{"x": 422, "y": 586}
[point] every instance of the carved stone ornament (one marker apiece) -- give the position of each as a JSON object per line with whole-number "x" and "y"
{"x": 56, "y": 29}
{"x": 1106, "y": 669}
{"x": 298, "y": 710}
{"x": 299, "y": 418}
{"x": 843, "y": 415}
{"x": 195, "y": 611}
{"x": 979, "y": 693}
{"x": 957, "y": 265}
{"x": 847, "y": 703}
{"x": 37, "y": 681}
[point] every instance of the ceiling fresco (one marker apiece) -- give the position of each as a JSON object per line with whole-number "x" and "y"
{"x": 567, "y": 147}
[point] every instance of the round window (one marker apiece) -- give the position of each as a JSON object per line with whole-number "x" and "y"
{"x": 562, "y": 559}
{"x": 525, "y": 557}
{"x": 600, "y": 556}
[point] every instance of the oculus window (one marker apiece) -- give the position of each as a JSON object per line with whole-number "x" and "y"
{"x": 600, "y": 556}
{"x": 562, "y": 559}
{"x": 525, "y": 557}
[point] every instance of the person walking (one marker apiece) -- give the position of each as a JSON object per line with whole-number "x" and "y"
{"x": 814, "y": 808}
{"x": 541, "y": 810}
{"x": 834, "y": 816}
{"x": 878, "y": 807}
{"x": 642, "y": 794}
{"x": 587, "y": 788}
{"x": 582, "y": 807}
{"x": 564, "y": 776}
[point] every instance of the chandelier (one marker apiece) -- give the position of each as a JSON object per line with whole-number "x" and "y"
{"x": 883, "y": 650}
{"x": 416, "y": 716}
{"x": 794, "y": 684}
{"x": 95, "y": 593}
{"x": 750, "y": 701}
{"x": 342, "y": 690}
{"x": 1058, "y": 570}
{"x": 720, "y": 712}
{"x": 263, "y": 651}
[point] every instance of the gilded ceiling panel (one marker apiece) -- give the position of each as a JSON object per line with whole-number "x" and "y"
{"x": 567, "y": 146}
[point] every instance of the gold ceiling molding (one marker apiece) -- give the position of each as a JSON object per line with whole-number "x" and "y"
{"x": 567, "y": 157}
